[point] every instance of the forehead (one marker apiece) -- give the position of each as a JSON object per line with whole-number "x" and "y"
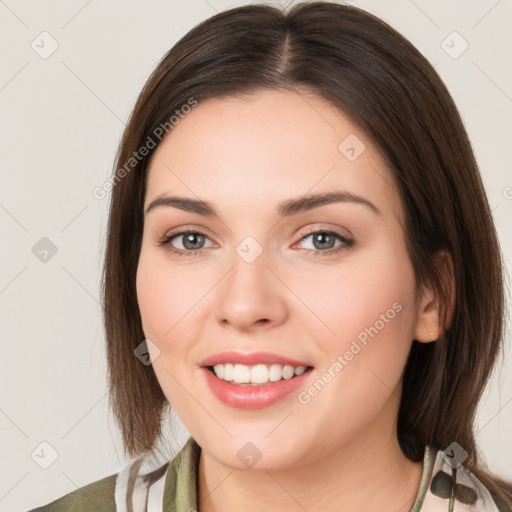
{"x": 254, "y": 150}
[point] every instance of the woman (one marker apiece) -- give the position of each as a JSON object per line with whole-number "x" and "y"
{"x": 342, "y": 376}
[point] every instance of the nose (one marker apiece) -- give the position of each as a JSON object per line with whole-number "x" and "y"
{"x": 251, "y": 296}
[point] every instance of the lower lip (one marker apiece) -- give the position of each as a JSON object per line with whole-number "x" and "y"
{"x": 249, "y": 396}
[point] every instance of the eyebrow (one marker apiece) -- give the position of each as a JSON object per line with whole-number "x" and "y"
{"x": 286, "y": 208}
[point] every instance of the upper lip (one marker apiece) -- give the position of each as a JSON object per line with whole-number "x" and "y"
{"x": 250, "y": 359}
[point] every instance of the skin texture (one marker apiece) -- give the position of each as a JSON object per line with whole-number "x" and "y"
{"x": 245, "y": 155}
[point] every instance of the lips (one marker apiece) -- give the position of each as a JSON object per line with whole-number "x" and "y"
{"x": 251, "y": 396}
{"x": 245, "y": 396}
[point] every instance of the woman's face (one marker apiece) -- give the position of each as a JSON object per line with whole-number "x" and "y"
{"x": 328, "y": 285}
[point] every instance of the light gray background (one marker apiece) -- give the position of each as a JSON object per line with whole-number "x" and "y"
{"x": 61, "y": 121}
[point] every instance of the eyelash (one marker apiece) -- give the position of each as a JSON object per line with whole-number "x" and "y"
{"x": 346, "y": 243}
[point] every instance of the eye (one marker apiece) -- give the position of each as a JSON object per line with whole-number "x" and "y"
{"x": 324, "y": 242}
{"x": 192, "y": 242}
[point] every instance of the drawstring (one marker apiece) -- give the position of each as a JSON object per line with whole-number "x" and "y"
{"x": 454, "y": 485}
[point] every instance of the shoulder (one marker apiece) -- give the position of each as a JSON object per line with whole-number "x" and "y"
{"x": 99, "y": 495}
{"x": 139, "y": 482}
{"x": 450, "y": 484}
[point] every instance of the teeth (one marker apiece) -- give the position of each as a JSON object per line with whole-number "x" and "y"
{"x": 300, "y": 370}
{"x": 258, "y": 374}
{"x": 241, "y": 374}
{"x": 275, "y": 373}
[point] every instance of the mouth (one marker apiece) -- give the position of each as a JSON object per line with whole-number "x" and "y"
{"x": 254, "y": 380}
{"x": 242, "y": 392}
{"x": 256, "y": 375}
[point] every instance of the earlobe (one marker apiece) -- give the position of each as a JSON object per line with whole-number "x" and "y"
{"x": 428, "y": 319}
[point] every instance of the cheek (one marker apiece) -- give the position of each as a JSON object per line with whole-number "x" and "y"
{"x": 162, "y": 294}
{"x": 368, "y": 294}
{"x": 150, "y": 295}
{"x": 371, "y": 312}
{"x": 173, "y": 304}
{"x": 163, "y": 300}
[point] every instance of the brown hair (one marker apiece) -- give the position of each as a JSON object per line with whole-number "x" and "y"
{"x": 375, "y": 76}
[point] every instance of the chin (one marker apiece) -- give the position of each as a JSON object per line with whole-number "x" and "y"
{"x": 255, "y": 452}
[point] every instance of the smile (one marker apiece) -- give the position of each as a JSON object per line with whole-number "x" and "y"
{"x": 253, "y": 395}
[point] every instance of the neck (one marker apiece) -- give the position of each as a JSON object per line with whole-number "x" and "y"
{"x": 367, "y": 473}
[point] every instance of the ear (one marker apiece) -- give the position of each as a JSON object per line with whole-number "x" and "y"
{"x": 428, "y": 326}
